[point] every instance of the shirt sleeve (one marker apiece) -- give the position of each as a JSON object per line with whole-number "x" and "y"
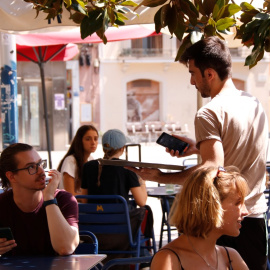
{"x": 68, "y": 206}
{"x": 207, "y": 126}
{"x": 69, "y": 166}
{"x": 133, "y": 179}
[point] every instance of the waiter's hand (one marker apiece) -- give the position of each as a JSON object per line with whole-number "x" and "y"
{"x": 190, "y": 151}
{"x": 146, "y": 173}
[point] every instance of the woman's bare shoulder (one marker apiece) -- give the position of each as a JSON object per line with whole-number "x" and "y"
{"x": 164, "y": 259}
{"x": 236, "y": 260}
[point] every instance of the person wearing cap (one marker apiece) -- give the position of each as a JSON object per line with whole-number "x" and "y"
{"x": 112, "y": 180}
{"x": 115, "y": 180}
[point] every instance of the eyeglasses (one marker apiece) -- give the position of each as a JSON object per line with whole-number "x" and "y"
{"x": 33, "y": 169}
{"x": 220, "y": 169}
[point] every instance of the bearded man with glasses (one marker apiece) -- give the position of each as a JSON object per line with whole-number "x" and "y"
{"x": 43, "y": 219}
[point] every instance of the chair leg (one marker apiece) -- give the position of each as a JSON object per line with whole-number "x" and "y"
{"x": 161, "y": 230}
{"x": 169, "y": 232}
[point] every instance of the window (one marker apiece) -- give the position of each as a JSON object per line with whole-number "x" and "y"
{"x": 143, "y": 101}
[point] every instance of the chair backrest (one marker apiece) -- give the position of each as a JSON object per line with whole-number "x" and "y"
{"x": 106, "y": 215}
{"x": 127, "y": 261}
{"x": 88, "y": 243}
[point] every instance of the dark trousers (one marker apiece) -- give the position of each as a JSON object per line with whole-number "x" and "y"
{"x": 251, "y": 243}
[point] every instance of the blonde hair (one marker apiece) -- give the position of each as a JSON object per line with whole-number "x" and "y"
{"x": 108, "y": 153}
{"x": 197, "y": 209}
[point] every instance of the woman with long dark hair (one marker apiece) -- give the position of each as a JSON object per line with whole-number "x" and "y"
{"x": 83, "y": 144}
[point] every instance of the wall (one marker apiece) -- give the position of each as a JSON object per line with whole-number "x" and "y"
{"x": 177, "y": 96}
{"x": 178, "y": 99}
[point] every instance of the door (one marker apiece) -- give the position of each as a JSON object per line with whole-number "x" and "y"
{"x": 31, "y": 116}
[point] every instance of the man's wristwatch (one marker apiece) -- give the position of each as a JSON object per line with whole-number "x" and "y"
{"x": 46, "y": 203}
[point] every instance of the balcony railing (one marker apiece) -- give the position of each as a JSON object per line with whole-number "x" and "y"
{"x": 145, "y": 52}
{"x": 242, "y": 52}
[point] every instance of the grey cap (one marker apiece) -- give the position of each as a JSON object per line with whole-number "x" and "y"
{"x": 113, "y": 139}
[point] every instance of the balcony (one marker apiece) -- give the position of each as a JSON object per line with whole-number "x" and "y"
{"x": 146, "y": 52}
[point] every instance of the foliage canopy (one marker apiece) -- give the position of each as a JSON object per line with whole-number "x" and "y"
{"x": 188, "y": 20}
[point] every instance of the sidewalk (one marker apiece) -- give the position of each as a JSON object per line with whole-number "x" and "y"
{"x": 150, "y": 152}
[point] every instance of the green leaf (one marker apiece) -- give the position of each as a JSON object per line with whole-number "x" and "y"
{"x": 248, "y": 12}
{"x": 261, "y": 16}
{"x": 208, "y": 6}
{"x": 92, "y": 23}
{"x": 78, "y": 7}
{"x": 267, "y": 44}
{"x": 129, "y": 3}
{"x": 102, "y": 36}
{"x": 157, "y": 20}
{"x": 251, "y": 59}
{"x": 106, "y": 20}
{"x": 189, "y": 9}
{"x": 77, "y": 17}
{"x": 186, "y": 43}
{"x": 225, "y": 23}
{"x": 180, "y": 30}
{"x": 263, "y": 30}
{"x": 121, "y": 17}
{"x": 119, "y": 21}
{"x": 125, "y": 9}
{"x": 218, "y": 6}
{"x": 172, "y": 19}
{"x": 165, "y": 11}
{"x": 227, "y": 11}
{"x": 210, "y": 29}
{"x": 246, "y": 17}
{"x": 254, "y": 57}
{"x": 151, "y": 3}
{"x": 199, "y": 6}
{"x": 68, "y": 3}
{"x": 246, "y": 7}
{"x": 250, "y": 29}
{"x": 111, "y": 15}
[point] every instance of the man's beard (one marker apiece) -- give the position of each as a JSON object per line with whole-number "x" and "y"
{"x": 205, "y": 90}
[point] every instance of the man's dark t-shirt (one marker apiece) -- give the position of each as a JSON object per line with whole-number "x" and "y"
{"x": 30, "y": 230}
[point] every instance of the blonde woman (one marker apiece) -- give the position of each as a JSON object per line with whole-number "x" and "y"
{"x": 211, "y": 204}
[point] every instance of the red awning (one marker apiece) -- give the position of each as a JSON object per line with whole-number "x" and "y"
{"x": 67, "y": 53}
{"x": 74, "y": 36}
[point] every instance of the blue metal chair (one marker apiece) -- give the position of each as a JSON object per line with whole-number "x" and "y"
{"x": 165, "y": 225}
{"x": 107, "y": 216}
{"x": 150, "y": 238}
{"x": 126, "y": 261}
{"x": 88, "y": 243}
